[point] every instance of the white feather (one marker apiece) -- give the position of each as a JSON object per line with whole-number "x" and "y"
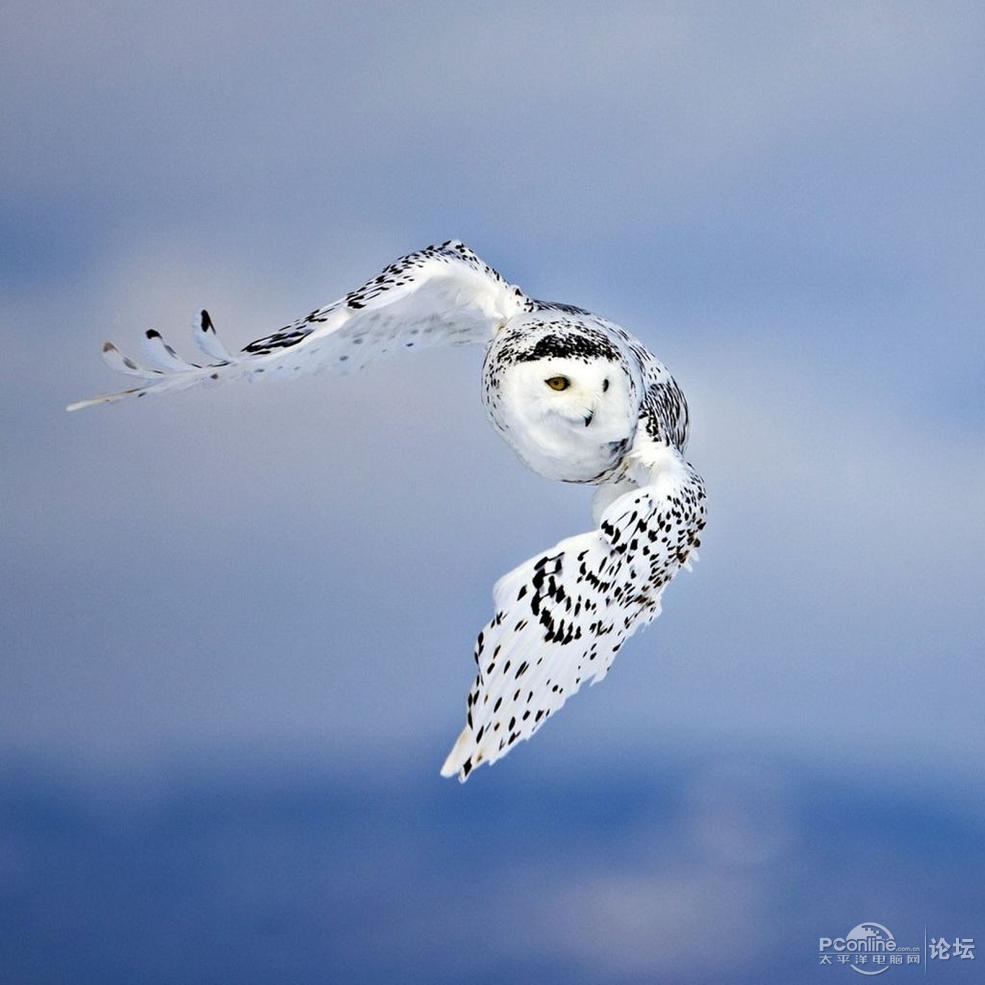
{"x": 561, "y": 617}
{"x": 441, "y": 295}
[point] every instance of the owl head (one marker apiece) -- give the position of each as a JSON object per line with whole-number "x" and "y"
{"x": 564, "y": 400}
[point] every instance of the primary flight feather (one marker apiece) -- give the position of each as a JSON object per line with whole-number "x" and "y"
{"x": 579, "y": 400}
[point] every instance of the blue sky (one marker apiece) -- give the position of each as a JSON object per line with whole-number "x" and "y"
{"x": 784, "y": 204}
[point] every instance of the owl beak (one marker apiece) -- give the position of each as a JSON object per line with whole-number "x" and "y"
{"x": 589, "y": 417}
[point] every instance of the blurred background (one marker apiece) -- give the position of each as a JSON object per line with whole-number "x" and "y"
{"x": 237, "y": 624}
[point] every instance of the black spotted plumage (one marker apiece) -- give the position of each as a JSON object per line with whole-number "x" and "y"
{"x": 620, "y": 421}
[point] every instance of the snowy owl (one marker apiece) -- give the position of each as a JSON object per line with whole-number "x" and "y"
{"x": 577, "y": 398}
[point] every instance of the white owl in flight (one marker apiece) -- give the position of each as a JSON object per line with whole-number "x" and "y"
{"x": 577, "y": 398}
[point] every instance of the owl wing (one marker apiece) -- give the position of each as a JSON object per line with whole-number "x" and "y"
{"x": 561, "y": 617}
{"x": 439, "y": 295}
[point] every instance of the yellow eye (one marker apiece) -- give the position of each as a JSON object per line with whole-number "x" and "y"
{"x": 558, "y": 382}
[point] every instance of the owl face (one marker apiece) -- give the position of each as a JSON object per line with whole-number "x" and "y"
{"x": 564, "y": 392}
{"x": 567, "y": 418}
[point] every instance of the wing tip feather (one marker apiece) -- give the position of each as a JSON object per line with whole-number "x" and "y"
{"x": 459, "y": 760}
{"x": 106, "y": 398}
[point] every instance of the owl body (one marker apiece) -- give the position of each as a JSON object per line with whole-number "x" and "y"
{"x": 577, "y": 398}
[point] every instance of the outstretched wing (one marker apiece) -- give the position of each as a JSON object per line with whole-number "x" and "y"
{"x": 562, "y": 616}
{"x": 439, "y": 295}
